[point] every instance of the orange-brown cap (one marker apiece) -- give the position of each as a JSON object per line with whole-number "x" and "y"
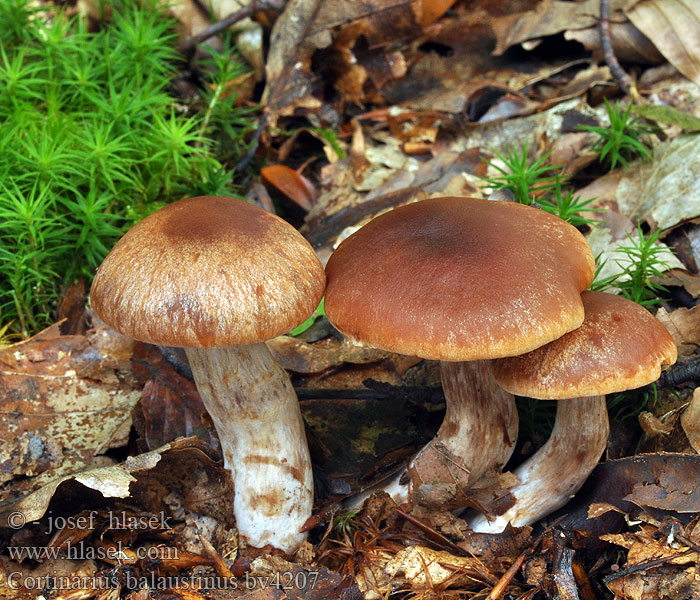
{"x": 208, "y": 272}
{"x": 459, "y": 279}
{"x": 620, "y": 346}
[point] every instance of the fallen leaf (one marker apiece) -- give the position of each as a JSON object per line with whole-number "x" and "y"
{"x": 672, "y": 491}
{"x": 179, "y": 466}
{"x": 292, "y": 184}
{"x": 607, "y": 238}
{"x": 651, "y": 585}
{"x": 306, "y": 26}
{"x": 548, "y": 18}
{"x": 668, "y": 115}
{"x": 690, "y": 421}
{"x": 422, "y": 567}
{"x": 621, "y": 482}
{"x": 652, "y": 425}
{"x": 674, "y": 27}
{"x": 629, "y": 44}
{"x": 665, "y": 191}
{"x": 681, "y": 278}
{"x": 598, "y": 509}
{"x": 66, "y": 399}
{"x": 300, "y": 357}
{"x": 684, "y": 326}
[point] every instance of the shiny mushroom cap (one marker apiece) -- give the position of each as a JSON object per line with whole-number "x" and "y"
{"x": 208, "y": 272}
{"x": 459, "y": 279}
{"x": 619, "y": 347}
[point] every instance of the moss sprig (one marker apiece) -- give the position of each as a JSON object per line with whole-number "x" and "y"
{"x": 92, "y": 141}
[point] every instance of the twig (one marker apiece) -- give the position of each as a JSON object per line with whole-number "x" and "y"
{"x": 415, "y": 394}
{"x": 507, "y": 577}
{"x": 432, "y": 534}
{"x": 373, "y": 390}
{"x": 255, "y": 6}
{"x": 679, "y": 373}
{"x": 644, "y": 566}
{"x": 562, "y": 570}
{"x": 253, "y": 148}
{"x": 625, "y": 81}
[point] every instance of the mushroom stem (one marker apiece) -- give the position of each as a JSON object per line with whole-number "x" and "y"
{"x": 481, "y": 421}
{"x": 550, "y": 477}
{"x": 256, "y": 414}
{"x": 480, "y": 427}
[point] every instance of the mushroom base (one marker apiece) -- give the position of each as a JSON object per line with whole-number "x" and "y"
{"x": 256, "y": 414}
{"x": 550, "y": 477}
{"x": 480, "y": 428}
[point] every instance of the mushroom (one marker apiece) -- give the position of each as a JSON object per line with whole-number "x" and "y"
{"x": 619, "y": 347}
{"x": 455, "y": 280}
{"x": 218, "y": 276}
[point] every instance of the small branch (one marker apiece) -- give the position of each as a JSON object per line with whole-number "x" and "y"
{"x": 508, "y": 576}
{"x": 643, "y": 566}
{"x": 373, "y": 390}
{"x": 253, "y": 148}
{"x": 383, "y": 391}
{"x": 254, "y": 7}
{"x": 623, "y": 79}
{"x": 681, "y": 372}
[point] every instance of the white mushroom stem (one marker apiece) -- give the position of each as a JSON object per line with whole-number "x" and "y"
{"x": 256, "y": 414}
{"x": 480, "y": 427}
{"x": 551, "y": 476}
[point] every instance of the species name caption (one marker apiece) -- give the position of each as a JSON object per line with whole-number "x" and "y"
{"x": 283, "y": 580}
{"x": 114, "y": 552}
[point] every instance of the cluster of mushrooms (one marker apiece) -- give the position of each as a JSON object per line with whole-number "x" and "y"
{"x": 493, "y": 290}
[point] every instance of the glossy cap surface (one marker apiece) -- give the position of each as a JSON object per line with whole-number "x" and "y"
{"x": 208, "y": 272}
{"x": 459, "y": 279}
{"x": 620, "y": 346}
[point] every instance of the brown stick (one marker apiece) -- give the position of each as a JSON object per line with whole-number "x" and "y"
{"x": 625, "y": 81}
{"x": 254, "y": 7}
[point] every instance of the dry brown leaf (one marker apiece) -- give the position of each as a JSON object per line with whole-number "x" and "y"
{"x": 22, "y": 581}
{"x": 682, "y": 278}
{"x": 300, "y": 357}
{"x": 170, "y": 405}
{"x": 673, "y": 490}
{"x": 690, "y": 421}
{"x": 292, "y": 184}
{"x": 422, "y": 567}
{"x": 598, "y": 509}
{"x": 653, "y": 585}
{"x": 629, "y": 44}
{"x": 652, "y": 425}
{"x": 548, "y": 18}
{"x": 684, "y": 326}
{"x": 674, "y": 27}
{"x": 181, "y": 466}
{"x": 666, "y": 190}
{"x": 306, "y": 26}
{"x": 432, "y": 10}
{"x": 621, "y": 482}
{"x": 65, "y": 400}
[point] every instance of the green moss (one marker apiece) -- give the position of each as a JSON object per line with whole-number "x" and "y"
{"x": 92, "y": 141}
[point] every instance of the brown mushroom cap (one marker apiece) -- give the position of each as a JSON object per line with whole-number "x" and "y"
{"x": 620, "y": 346}
{"x": 208, "y": 272}
{"x": 459, "y": 279}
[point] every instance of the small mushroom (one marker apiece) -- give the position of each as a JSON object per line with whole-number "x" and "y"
{"x": 219, "y": 276}
{"x": 619, "y": 347}
{"x": 455, "y": 280}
